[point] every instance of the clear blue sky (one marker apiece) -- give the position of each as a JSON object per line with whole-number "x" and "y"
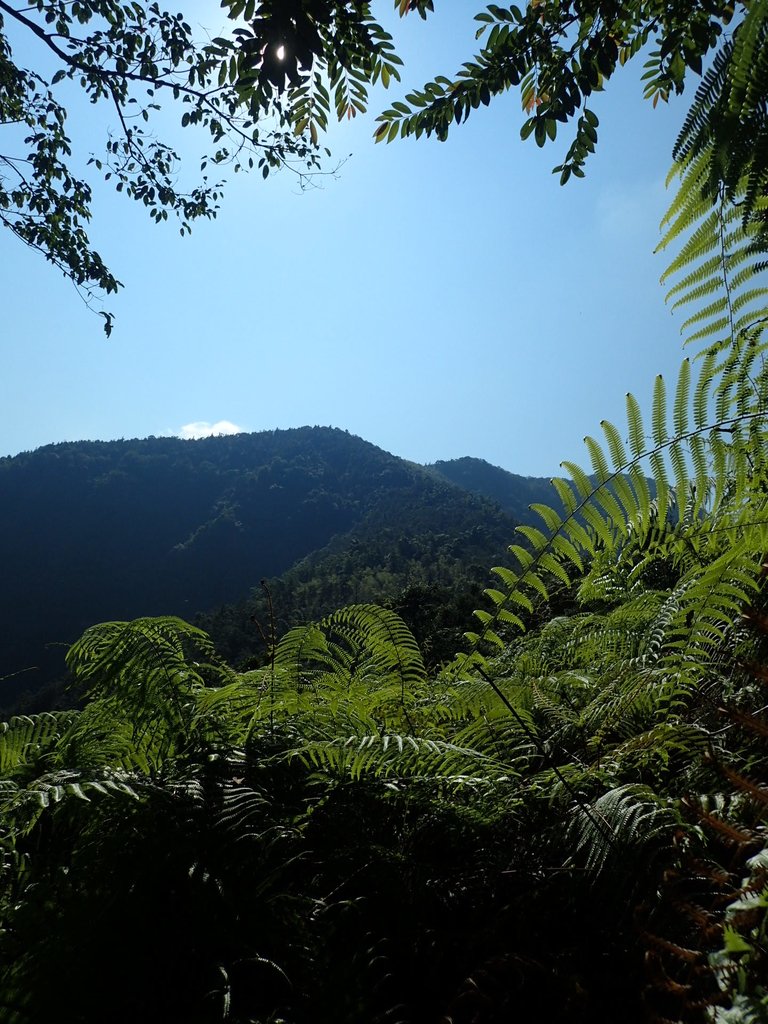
{"x": 436, "y": 299}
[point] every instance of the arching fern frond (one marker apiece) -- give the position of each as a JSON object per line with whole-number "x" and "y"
{"x": 633, "y": 819}
{"x": 112, "y": 657}
{"x": 26, "y": 740}
{"x": 23, "y": 806}
{"x": 405, "y": 757}
{"x": 354, "y": 642}
{"x": 714, "y": 431}
{"x": 728, "y": 121}
{"x": 718, "y": 263}
{"x": 141, "y": 677}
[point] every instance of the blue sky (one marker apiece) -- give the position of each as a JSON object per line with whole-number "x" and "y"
{"x": 439, "y": 300}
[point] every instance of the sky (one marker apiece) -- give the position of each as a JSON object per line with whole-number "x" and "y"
{"x": 436, "y": 299}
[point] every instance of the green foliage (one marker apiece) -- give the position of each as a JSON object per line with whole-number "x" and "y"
{"x": 326, "y": 517}
{"x": 558, "y": 55}
{"x": 26, "y": 740}
{"x": 264, "y": 92}
{"x": 740, "y": 962}
{"x": 260, "y": 93}
{"x": 727, "y": 120}
{"x": 627, "y": 821}
{"x": 716, "y": 266}
{"x": 339, "y": 800}
{"x": 708, "y": 515}
{"x": 276, "y": 818}
{"x": 339, "y": 836}
{"x": 358, "y": 641}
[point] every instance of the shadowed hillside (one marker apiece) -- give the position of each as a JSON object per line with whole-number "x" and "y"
{"x": 92, "y": 531}
{"x": 512, "y": 492}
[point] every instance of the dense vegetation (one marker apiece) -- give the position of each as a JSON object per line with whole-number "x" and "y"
{"x": 562, "y": 823}
{"x": 94, "y": 530}
{"x": 426, "y": 557}
{"x": 568, "y": 821}
{"x": 558, "y": 830}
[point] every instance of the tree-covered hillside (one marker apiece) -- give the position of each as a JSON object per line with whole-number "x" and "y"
{"x": 93, "y": 530}
{"x": 512, "y": 492}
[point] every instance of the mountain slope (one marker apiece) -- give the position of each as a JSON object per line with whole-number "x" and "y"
{"x": 91, "y": 531}
{"x": 511, "y": 492}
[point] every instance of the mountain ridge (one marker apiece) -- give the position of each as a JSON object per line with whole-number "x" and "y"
{"x": 99, "y": 530}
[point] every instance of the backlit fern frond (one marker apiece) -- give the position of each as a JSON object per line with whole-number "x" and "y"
{"x": 623, "y": 822}
{"x": 401, "y": 757}
{"x": 153, "y": 652}
{"x": 358, "y": 671}
{"x": 142, "y": 677}
{"x": 271, "y": 702}
{"x": 507, "y": 739}
{"x": 23, "y": 806}
{"x": 721, "y": 203}
{"x": 241, "y": 813}
{"x": 712, "y": 595}
{"x": 589, "y": 641}
{"x": 354, "y": 642}
{"x": 705, "y": 455}
{"x": 717, "y": 272}
{"x": 728, "y": 120}
{"x": 304, "y": 649}
{"x": 25, "y": 741}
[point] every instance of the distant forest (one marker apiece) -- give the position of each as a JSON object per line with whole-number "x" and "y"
{"x": 92, "y": 531}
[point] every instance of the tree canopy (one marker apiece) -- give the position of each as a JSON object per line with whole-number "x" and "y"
{"x": 265, "y": 91}
{"x": 241, "y": 89}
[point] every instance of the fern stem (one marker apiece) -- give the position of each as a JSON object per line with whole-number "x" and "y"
{"x": 721, "y": 425}
{"x": 599, "y": 822}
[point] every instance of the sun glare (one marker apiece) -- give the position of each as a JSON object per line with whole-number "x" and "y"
{"x": 280, "y": 52}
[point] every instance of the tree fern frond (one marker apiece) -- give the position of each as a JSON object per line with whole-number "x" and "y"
{"x": 301, "y": 646}
{"x": 637, "y": 440}
{"x": 615, "y": 443}
{"x": 712, "y": 315}
{"x": 695, "y": 126}
{"x": 634, "y": 820}
{"x": 401, "y": 757}
{"x": 699, "y": 244}
{"x": 25, "y": 806}
{"x": 242, "y": 812}
{"x": 707, "y": 279}
{"x": 723, "y": 243}
{"x": 113, "y": 656}
{"x": 25, "y": 740}
{"x": 354, "y": 640}
{"x": 659, "y": 413}
{"x": 687, "y": 204}
{"x": 633, "y": 529}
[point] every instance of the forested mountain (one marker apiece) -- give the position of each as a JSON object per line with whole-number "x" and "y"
{"x": 512, "y": 492}
{"x": 91, "y": 531}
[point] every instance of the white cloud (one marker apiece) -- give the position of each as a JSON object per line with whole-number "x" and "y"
{"x": 201, "y": 428}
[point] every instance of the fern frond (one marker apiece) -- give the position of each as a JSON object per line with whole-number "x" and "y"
{"x": 160, "y": 652}
{"x": 26, "y": 740}
{"x": 25, "y": 806}
{"x": 401, "y": 757}
{"x": 722, "y": 248}
{"x": 613, "y": 516}
{"x": 354, "y": 641}
{"x": 634, "y": 819}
